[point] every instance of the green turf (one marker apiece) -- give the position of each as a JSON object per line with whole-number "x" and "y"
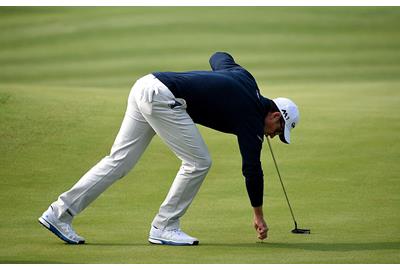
{"x": 65, "y": 74}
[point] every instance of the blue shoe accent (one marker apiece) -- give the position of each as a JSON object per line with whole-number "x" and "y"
{"x": 57, "y": 232}
{"x": 170, "y": 243}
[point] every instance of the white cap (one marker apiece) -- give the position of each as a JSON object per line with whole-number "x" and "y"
{"x": 290, "y": 114}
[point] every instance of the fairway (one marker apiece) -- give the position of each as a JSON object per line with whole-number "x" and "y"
{"x": 65, "y": 75}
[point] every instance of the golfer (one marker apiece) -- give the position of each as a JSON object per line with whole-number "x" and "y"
{"x": 170, "y": 104}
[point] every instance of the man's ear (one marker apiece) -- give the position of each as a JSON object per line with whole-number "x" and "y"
{"x": 273, "y": 115}
{"x": 276, "y": 115}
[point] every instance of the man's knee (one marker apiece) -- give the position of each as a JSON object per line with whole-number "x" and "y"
{"x": 201, "y": 164}
{"x": 119, "y": 167}
{"x": 205, "y": 163}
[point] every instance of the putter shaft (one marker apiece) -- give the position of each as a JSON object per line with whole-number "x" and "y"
{"x": 283, "y": 187}
{"x": 295, "y": 230}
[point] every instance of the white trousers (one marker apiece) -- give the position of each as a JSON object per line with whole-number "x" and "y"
{"x": 141, "y": 122}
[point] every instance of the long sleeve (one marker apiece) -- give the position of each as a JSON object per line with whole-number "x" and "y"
{"x": 250, "y": 145}
{"x": 222, "y": 60}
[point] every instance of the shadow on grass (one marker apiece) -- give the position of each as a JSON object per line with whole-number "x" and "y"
{"x": 19, "y": 261}
{"x": 303, "y": 246}
{"x": 118, "y": 244}
{"x": 319, "y": 246}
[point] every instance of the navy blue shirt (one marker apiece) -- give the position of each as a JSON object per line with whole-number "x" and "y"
{"x": 227, "y": 99}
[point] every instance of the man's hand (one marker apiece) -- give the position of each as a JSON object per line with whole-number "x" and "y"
{"x": 259, "y": 223}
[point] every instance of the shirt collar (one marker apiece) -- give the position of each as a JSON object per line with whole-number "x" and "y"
{"x": 266, "y": 104}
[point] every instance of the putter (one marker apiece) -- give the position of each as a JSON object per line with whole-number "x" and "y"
{"x": 295, "y": 230}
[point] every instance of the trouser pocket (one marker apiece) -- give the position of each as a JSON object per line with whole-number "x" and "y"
{"x": 179, "y": 103}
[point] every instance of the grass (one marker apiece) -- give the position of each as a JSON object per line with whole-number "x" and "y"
{"x": 65, "y": 77}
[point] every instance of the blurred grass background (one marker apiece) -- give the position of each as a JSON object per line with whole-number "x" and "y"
{"x": 65, "y": 74}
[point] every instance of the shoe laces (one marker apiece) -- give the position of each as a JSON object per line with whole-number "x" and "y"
{"x": 68, "y": 229}
{"x": 179, "y": 232}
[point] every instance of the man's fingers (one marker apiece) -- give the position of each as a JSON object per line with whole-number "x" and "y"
{"x": 261, "y": 229}
{"x": 262, "y": 232}
{"x": 262, "y": 236}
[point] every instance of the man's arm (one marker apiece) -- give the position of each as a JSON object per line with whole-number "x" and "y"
{"x": 255, "y": 190}
{"x": 222, "y": 60}
{"x": 250, "y": 148}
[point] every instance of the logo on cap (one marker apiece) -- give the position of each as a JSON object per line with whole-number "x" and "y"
{"x": 293, "y": 124}
{"x": 285, "y": 114}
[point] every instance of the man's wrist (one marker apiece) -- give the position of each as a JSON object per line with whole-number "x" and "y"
{"x": 258, "y": 211}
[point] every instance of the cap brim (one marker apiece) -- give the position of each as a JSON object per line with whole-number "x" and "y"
{"x": 285, "y": 137}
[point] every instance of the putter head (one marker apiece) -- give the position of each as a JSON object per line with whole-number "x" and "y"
{"x": 301, "y": 231}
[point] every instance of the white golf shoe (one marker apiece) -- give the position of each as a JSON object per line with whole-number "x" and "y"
{"x": 62, "y": 229}
{"x": 174, "y": 237}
